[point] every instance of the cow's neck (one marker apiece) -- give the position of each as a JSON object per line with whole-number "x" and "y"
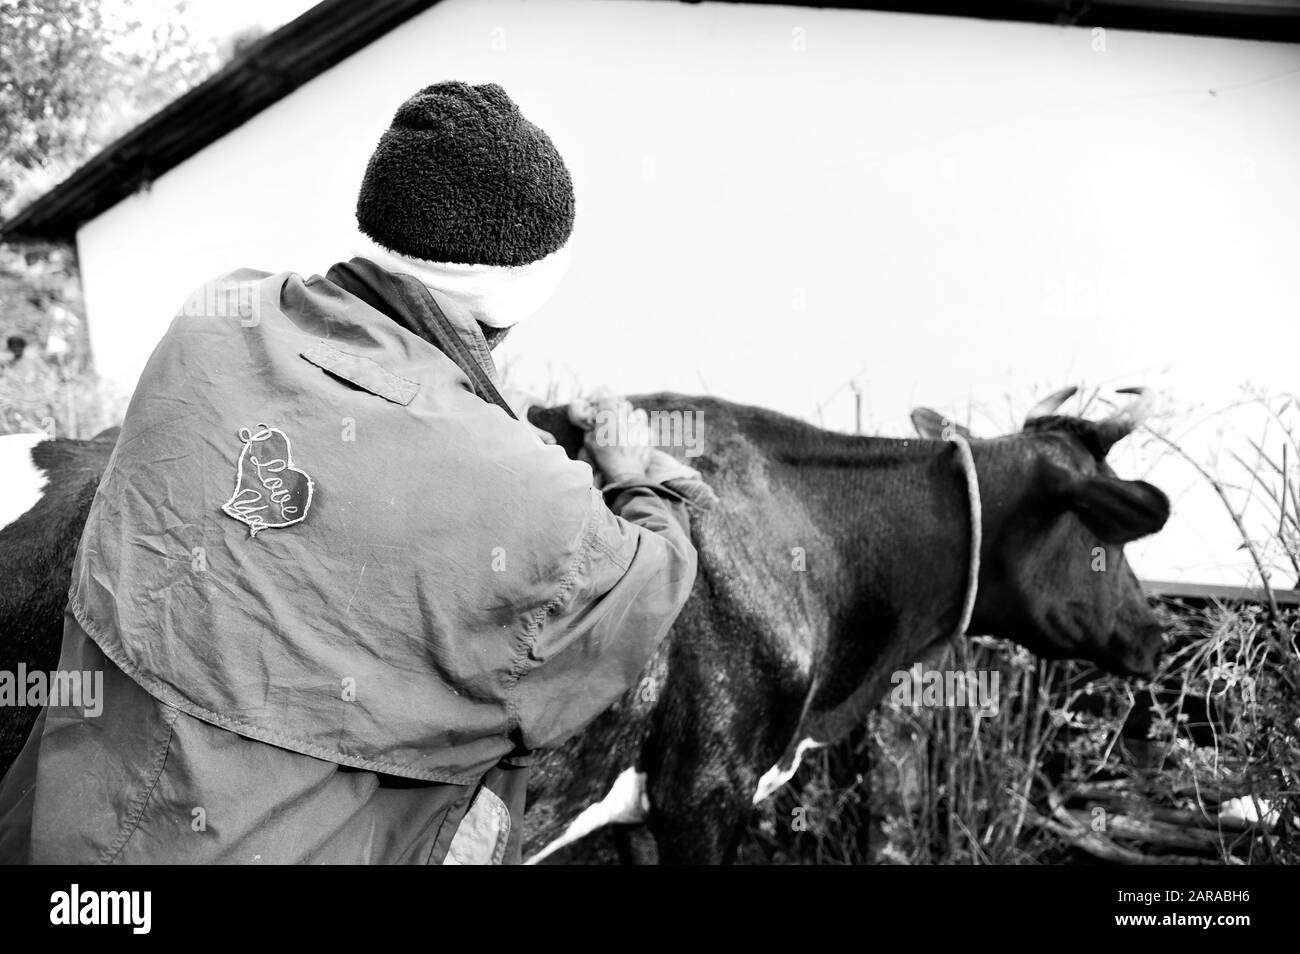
{"x": 899, "y": 516}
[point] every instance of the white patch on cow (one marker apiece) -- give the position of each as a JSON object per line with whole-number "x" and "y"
{"x": 776, "y": 776}
{"x": 21, "y": 482}
{"x": 626, "y": 804}
{"x": 1245, "y": 809}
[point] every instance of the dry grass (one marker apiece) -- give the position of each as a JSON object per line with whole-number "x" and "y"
{"x": 1068, "y": 766}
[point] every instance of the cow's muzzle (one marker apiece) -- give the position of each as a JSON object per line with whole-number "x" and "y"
{"x": 1138, "y": 653}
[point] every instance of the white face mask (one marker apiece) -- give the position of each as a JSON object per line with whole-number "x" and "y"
{"x": 497, "y": 296}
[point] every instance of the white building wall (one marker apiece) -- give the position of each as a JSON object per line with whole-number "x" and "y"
{"x": 773, "y": 201}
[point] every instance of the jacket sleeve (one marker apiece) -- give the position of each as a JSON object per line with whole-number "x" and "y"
{"x": 615, "y": 606}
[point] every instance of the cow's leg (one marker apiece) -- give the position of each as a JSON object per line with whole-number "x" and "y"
{"x": 700, "y": 827}
{"x": 635, "y": 845}
{"x": 704, "y": 761}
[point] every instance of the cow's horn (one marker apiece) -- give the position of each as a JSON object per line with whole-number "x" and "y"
{"x": 1127, "y": 419}
{"x": 1050, "y": 404}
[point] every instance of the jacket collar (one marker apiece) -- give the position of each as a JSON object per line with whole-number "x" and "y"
{"x": 410, "y": 304}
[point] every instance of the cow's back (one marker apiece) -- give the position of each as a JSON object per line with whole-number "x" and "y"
{"x": 36, "y": 554}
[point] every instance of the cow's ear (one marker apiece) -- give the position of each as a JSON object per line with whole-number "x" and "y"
{"x": 930, "y": 425}
{"x": 1117, "y": 511}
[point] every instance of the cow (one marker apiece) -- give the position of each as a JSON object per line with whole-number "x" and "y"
{"x": 829, "y": 563}
{"x": 48, "y": 486}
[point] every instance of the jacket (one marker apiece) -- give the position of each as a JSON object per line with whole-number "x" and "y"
{"x": 314, "y": 536}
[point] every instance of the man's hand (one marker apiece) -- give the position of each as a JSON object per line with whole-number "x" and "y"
{"x": 618, "y": 437}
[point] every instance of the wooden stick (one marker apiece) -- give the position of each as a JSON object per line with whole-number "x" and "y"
{"x": 1106, "y": 850}
{"x": 1142, "y": 809}
{"x": 1161, "y": 834}
{"x": 1205, "y": 791}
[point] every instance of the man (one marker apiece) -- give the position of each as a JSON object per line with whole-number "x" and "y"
{"x": 336, "y": 591}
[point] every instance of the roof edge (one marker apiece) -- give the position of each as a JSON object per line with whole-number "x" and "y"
{"x": 258, "y": 77}
{"x": 333, "y": 30}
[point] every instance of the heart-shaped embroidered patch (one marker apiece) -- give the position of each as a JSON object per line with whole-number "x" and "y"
{"x": 269, "y": 491}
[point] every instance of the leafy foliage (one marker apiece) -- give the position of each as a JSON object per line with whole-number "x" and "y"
{"x": 74, "y": 74}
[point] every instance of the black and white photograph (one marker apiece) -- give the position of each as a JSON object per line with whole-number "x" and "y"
{"x": 645, "y": 432}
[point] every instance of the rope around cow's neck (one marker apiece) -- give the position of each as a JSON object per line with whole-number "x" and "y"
{"x": 951, "y": 434}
